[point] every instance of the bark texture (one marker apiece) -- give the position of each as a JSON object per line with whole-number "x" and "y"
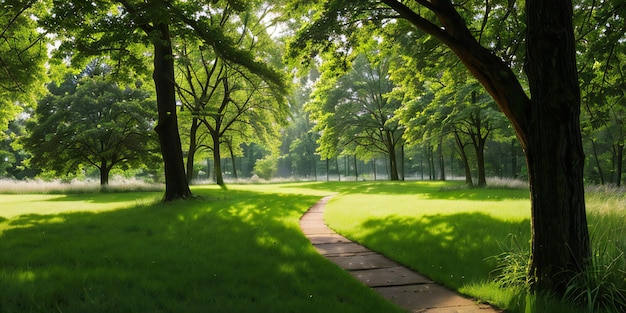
{"x": 554, "y": 153}
{"x": 176, "y": 186}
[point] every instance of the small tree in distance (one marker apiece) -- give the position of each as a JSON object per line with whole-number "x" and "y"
{"x": 92, "y": 121}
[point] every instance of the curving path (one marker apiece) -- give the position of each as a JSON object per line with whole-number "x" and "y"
{"x": 393, "y": 281}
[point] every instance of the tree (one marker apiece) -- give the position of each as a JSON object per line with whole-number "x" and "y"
{"x": 354, "y": 113}
{"x": 122, "y": 29}
{"x": 226, "y": 98}
{"x": 92, "y": 121}
{"x": 23, "y": 52}
{"x": 546, "y": 122}
{"x": 229, "y": 101}
{"x": 602, "y": 77}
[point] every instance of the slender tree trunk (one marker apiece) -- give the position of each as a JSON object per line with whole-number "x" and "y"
{"x": 393, "y": 162}
{"x": 514, "y": 172}
{"x": 620, "y": 162}
{"x": 356, "y": 169}
{"x": 422, "y": 166}
{"x": 466, "y": 167}
{"x": 104, "y": 173}
{"x": 402, "y": 171}
{"x": 176, "y": 186}
{"x": 374, "y": 167}
{"x": 327, "y": 169}
{"x": 233, "y": 159}
{"x": 338, "y": 172}
{"x": 193, "y": 146}
{"x": 431, "y": 162}
{"x": 480, "y": 159}
{"x": 597, "y": 159}
{"x": 217, "y": 159}
{"x": 554, "y": 151}
{"x": 442, "y": 167}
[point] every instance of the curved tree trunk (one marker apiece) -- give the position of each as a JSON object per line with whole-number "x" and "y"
{"x": 547, "y": 126}
{"x": 176, "y": 186}
{"x": 193, "y": 146}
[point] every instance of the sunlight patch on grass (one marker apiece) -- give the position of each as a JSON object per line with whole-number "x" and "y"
{"x": 226, "y": 251}
{"x": 16, "y": 205}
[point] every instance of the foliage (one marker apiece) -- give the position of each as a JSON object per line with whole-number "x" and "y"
{"x": 23, "y": 53}
{"x": 231, "y": 104}
{"x": 267, "y": 167}
{"x": 354, "y": 113}
{"x": 91, "y": 121}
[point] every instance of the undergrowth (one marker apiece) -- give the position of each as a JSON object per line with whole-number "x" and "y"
{"x": 602, "y": 286}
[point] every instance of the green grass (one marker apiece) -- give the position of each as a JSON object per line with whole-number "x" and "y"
{"x": 229, "y": 251}
{"x": 452, "y": 234}
{"x": 241, "y": 249}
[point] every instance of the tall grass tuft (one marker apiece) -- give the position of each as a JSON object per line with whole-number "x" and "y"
{"x": 513, "y": 264}
{"x": 602, "y": 287}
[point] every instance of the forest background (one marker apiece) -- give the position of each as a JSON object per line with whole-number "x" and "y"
{"x": 385, "y": 112}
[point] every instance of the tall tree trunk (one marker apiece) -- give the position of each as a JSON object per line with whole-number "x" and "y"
{"x": 594, "y": 149}
{"x": 356, "y": 169}
{"x": 104, "y": 173}
{"x": 176, "y": 186}
{"x": 514, "y": 172}
{"x": 327, "y": 169}
{"x": 374, "y": 167}
{"x": 402, "y": 171}
{"x": 620, "y": 163}
{"x": 466, "y": 167}
{"x": 431, "y": 162}
{"x": 338, "y": 172}
{"x": 480, "y": 159}
{"x": 217, "y": 159}
{"x": 393, "y": 162}
{"x": 193, "y": 146}
{"x": 554, "y": 151}
{"x": 442, "y": 166}
{"x": 233, "y": 159}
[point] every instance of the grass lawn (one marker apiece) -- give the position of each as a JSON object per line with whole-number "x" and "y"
{"x": 239, "y": 250}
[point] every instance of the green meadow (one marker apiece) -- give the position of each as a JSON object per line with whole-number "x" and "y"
{"x": 241, "y": 249}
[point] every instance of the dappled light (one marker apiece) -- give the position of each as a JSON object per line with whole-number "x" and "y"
{"x": 231, "y": 251}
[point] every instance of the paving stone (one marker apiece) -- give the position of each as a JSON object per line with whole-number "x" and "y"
{"x": 328, "y": 238}
{"x": 340, "y": 248}
{"x": 424, "y": 296}
{"x": 391, "y": 276}
{"x": 316, "y": 230}
{"x": 362, "y": 262}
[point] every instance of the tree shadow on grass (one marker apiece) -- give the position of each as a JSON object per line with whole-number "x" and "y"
{"x": 429, "y": 189}
{"x": 455, "y": 249}
{"x": 241, "y": 253}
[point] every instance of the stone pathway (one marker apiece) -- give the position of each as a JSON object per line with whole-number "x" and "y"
{"x": 393, "y": 281}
